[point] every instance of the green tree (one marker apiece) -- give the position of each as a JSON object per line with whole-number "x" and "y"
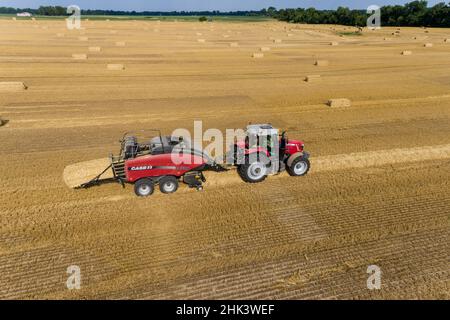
{"x": 271, "y": 11}
{"x": 415, "y": 12}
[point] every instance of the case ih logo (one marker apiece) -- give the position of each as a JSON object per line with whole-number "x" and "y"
{"x": 141, "y": 168}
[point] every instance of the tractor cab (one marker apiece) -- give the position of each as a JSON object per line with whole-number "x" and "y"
{"x": 261, "y": 141}
{"x": 263, "y": 137}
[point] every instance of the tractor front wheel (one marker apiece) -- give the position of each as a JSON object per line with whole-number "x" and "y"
{"x": 299, "y": 167}
{"x": 168, "y": 184}
{"x": 144, "y": 187}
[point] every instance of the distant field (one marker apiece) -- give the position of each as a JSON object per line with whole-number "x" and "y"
{"x": 377, "y": 193}
{"x": 150, "y": 18}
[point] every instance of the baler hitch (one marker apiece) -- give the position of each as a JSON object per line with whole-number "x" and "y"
{"x": 98, "y": 181}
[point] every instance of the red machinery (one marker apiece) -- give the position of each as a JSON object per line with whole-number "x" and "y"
{"x": 264, "y": 152}
{"x": 150, "y": 163}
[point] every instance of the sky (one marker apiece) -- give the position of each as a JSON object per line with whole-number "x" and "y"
{"x": 197, "y": 5}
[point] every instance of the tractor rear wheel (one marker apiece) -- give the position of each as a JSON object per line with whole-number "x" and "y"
{"x": 144, "y": 187}
{"x": 299, "y": 167}
{"x": 253, "y": 172}
{"x": 168, "y": 184}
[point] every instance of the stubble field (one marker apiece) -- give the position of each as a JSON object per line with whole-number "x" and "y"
{"x": 377, "y": 193}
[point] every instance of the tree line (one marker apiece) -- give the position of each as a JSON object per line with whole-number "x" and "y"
{"x": 414, "y": 14}
{"x": 62, "y": 11}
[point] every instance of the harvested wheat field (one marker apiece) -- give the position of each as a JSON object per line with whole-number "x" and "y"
{"x": 377, "y": 193}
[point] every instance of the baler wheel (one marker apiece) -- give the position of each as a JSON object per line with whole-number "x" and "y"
{"x": 144, "y": 187}
{"x": 168, "y": 184}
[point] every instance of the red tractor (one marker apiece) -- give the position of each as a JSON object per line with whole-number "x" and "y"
{"x": 154, "y": 161}
{"x": 264, "y": 152}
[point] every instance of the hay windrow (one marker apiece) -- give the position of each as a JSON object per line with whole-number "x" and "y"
{"x": 78, "y": 173}
{"x": 350, "y": 161}
{"x": 379, "y": 158}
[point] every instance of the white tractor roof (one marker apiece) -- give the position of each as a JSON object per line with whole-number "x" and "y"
{"x": 261, "y": 129}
